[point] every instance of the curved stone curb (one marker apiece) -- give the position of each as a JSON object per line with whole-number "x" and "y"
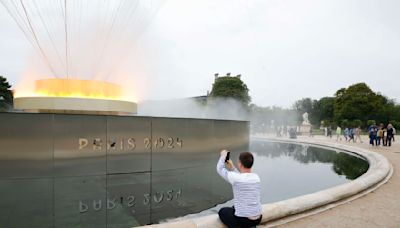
{"x": 379, "y": 170}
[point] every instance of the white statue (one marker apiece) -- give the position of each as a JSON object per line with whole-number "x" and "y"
{"x": 305, "y": 119}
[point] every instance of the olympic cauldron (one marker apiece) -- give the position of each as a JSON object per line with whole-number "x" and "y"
{"x": 107, "y": 170}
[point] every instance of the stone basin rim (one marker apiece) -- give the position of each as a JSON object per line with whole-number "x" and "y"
{"x": 378, "y": 173}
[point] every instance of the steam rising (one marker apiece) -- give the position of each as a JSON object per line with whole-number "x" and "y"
{"x": 217, "y": 108}
{"x": 263, "y": 120}
{"x": 80, "y": 39}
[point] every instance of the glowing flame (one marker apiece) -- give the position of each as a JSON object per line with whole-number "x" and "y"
{"x": 74, "y": 88}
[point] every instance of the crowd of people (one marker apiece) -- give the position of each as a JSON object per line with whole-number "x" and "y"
{"x": 382, "y": 135}
{"x": 349, "y": 134}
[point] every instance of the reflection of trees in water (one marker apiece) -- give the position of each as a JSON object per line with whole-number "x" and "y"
{"x": 343, "y": 164}
{"x": 350, "y": 166}
{"x": 275, "y": 150}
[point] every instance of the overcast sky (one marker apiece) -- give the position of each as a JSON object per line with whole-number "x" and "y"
{"x": 284, "y": 50}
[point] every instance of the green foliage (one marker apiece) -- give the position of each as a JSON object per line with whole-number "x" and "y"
{"x": 317, "y": 109}
{"x": 358, "y": 101}
{"x": 6, "y": 96}
{"x": 350, "y": 166}
{"x": 354, "y": 105}
{"x": 357, "y": 123}
{"x": 345, "y": 123}
{"x": 326, "y": 123}
{"x": 305, "y": 105}
{"x": 325, "y": 106}
{"x": 231, "y": 87}
{"x": 396, "y": 124}
{"x": 371, "y": 122}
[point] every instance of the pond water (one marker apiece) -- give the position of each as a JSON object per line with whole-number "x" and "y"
{"x": 288, "y": 170}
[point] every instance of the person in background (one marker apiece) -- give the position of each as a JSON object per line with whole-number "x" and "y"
{"x": 372, "y": 131}
{"x": 330, "y": 132}
{"x": 358, "y": 134}
{"x": 278, "y": 131}
{"x": 379, "y": 135}
{"x": 338, "y": 133}
{"x": 384, "y": 136}
{"x": 351, "y": 134}
{"x": 346, "y": 133}
{"x": 247, "y": 211}
{"x": 394, "y": 132}
{"x": 389, "y": 134}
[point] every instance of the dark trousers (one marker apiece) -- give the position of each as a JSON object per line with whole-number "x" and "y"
{"x": 372, "y": 139}
{"x": 389, "y": 140}
{"x": 228, "y": 217}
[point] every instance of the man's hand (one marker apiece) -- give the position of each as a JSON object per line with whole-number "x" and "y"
{"x": 224, "y": 152}
{"x": 229, "y": 165}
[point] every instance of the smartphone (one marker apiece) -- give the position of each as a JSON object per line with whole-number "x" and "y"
{"x": 227, "y": 156}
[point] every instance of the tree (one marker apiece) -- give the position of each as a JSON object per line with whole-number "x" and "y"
{"x": 302, "y": 106}
{"x": 345, "y": 123}
{"x": 353, "y": 105}
{"x": 396, "y": 124}
{"x": 358, "y": 101}
{"x": 357, "y": 123}
{"x": 325, "y": 106}
{"x": 322, "y": 110}
{"x": 231, "y": 87}
{"x": 371, "y": 122}
{"x": 318, "y": 110}
{"x": 6, "y": 96}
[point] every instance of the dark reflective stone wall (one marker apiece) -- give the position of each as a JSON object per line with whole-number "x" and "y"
{"x": 110, "y": 171}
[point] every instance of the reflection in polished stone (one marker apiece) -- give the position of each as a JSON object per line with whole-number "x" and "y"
{"x": 127, "y": 199}
{"x": 186, "y": 191}
{"x": 25, "y": 146}
{"x": 26, "y": 203}
{"x": 61, "y": 170}
{"x": 80, "y": 201}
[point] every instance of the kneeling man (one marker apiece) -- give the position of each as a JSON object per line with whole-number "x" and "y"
{"x": 247, "y": 211}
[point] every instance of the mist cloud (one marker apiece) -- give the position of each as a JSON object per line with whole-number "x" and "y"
{"x": 284, "y": 50}
{"x": 216, "y": 108}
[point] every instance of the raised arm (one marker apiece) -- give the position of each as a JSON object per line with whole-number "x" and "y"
{"x": 221, "y": 168}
